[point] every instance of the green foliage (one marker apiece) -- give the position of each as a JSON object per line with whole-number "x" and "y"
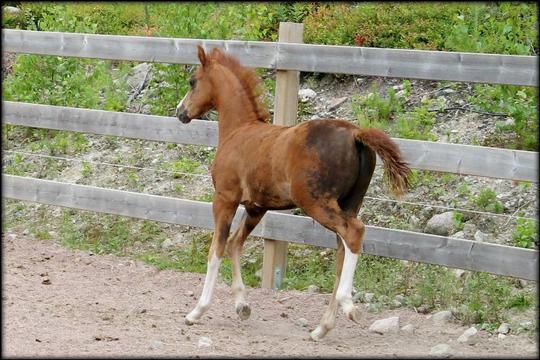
{"x": 505, "y": 28}
{"x": 487, "y": 200}
{"x": 181, "y": 166}
{"x": 62, "y": 81}
{"x": 386, "y": 113}
{"x": 208, "y": 197}
{"x": 525, "y": 233}
{"x": 458, "y": 220}
{"x": 416, "y": 124}
{"x": 373, "y": 110}
{"x": 519, "y": 103}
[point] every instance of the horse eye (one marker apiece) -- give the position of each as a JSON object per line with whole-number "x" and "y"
{"x": 192, "y": 82}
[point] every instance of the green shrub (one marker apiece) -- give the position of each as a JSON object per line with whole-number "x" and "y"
{"x": 487, "y": 200}
{"x": 525, "y": 233}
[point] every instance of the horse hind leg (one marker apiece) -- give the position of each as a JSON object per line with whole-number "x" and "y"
{"x": 328, "y": 320}
{"x": 350, "y": 231}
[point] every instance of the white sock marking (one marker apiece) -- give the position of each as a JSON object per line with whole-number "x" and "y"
{"x": 208, "y": 289}
{"x": 343, "y": 293}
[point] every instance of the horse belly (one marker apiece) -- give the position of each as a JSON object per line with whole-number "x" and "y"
{"x": 276, "y": 197}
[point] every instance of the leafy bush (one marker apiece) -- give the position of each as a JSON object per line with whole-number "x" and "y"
{"x": 487, "y": 200}
{"x": 525, "y": 233}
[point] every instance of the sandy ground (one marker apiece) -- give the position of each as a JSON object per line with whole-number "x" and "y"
{"x": 60, "y": 302}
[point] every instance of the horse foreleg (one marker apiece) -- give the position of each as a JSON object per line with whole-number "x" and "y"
{"x": 249, "y": 221}
{"x": 223, "y": 215}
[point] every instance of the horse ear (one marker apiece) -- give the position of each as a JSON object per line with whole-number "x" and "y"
{"x": 201, "y": 54}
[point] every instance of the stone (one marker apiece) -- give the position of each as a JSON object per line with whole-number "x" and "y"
{"x": 400, "y": 298}
{"x": 414, "y": 222}
{"x": 204, "y": 342}
{"x": 384, "y": 326}
{"x": 442, "y": 316}
{"x": 526, "y": 325}
{"x": 167, "y": 243}
{"x": 395, "y": 304}
{"x": 459, "y": 235}
{"x": 469, "y": 336}
{"x": 368, "y": 297}
{"x": 501, "y": 336}
{"x": 373, "y": 307}
{"x": 469, "y": 229}
{"x": 459, "y": 273}
{"x": 156, "y": 344}
{"x": 409, "y": 328}
{"x": 302, "y": 322}
{"x": 440, "y": 350}
{"x": 441, "y": 224}
{"x": 336, "y": 103}
{"x": 138, "y": 75}
{"x": 480, "y": 236}
{"x": 313, "y": 289}
{"x": 306, "y": 94}
{"x": 400, "y": 94}
{"x": 504, "y": 328}
{"x": 358, "y": 297}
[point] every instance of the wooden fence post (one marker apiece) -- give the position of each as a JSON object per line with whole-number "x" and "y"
{"x": 285, "y": 113}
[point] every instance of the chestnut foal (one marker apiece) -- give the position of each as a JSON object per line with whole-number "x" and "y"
{"x": 321, "y": 166}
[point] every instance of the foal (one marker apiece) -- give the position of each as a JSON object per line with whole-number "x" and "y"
{"x": 321, "y": 166}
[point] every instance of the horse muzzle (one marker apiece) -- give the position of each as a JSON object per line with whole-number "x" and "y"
{"x": 182, "y": 115}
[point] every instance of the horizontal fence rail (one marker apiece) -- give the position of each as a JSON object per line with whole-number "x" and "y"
{"x": 426, "y": 155}
{"x": 406, "y": 245}
{"x": 403, "y": 63}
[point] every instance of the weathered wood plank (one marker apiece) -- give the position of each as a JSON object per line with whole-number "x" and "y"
{"x": 406, "y": 245}
{"x": 416, "y": 64}
{"x": 139, "y": 126}
{"x": 426, "y": 155}
{"x": 133, "y": 48}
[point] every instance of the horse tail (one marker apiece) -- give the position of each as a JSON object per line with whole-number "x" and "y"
{"x": 395, "y": 169}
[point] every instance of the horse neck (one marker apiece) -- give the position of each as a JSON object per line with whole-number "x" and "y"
{"x": 232, "y": 103}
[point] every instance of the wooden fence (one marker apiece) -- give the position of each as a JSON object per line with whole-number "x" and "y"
{"x": 454, "y": 158}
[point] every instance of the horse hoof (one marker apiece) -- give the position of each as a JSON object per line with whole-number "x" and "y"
{"x": 317, "y": 334}
{"x": 354, "y": 315}
{"x": 189, "y": 321}
{"x": 243, "y": 311}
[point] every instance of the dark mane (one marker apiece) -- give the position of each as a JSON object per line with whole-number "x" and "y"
{"x": 249, "y": 80}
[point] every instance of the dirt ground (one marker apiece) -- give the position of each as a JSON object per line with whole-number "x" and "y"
{"x": 60, "y": 302}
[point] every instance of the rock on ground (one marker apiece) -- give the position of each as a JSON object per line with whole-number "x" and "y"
{"x": 409, "y": 328}
{"x": 204, "y": 342}
{"x": 504, "y": 328}
{"x": 440, "y": 350}
{"x": 384, "y": 326}
{"x": 441, "y": 224}
{"x": 469, "y": 336}
{"x": 442, "y": 316}
{"x": 306, "y": 94}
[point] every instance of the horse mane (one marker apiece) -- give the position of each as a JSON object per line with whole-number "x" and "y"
{"x": 249, "y": 81}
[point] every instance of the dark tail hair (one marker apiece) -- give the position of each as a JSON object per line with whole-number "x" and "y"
{"x": 396, "y": 170}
